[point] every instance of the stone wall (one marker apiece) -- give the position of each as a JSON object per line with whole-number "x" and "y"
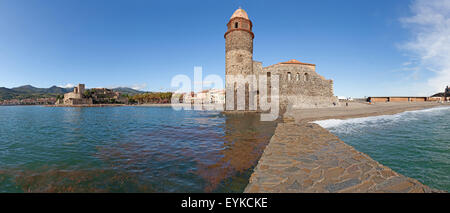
{"x": 77, "y": 93}
{"x": 239, "y": 40}
{"x": 77, "y": 101}
{"x": 72, "y": 95}
{"x": 300, "y": 85}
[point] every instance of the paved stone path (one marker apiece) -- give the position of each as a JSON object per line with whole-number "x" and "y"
{"x": 304, "y": 157}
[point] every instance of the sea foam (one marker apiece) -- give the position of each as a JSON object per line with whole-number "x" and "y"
{"x": 376, "y": 120}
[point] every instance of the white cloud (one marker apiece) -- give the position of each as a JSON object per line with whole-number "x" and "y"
{"x": 69, "y": 85}
{"x": 139, "y": 86}
{"x": 134, "y": 86}
{"x": 430, "y": 45}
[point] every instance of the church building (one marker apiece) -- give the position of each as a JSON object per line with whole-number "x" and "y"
{"x": 299, "y": 84}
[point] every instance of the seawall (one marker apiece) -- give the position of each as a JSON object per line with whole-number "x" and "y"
{"x": 308, "y": 158}
{"x": 304, "y": 157}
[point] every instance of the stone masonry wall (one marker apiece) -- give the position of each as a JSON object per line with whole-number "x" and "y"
{"x": 239, "y": 57}
{"x": 304, "y": 89}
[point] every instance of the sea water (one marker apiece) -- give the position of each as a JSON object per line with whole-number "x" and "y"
{"x": 128, "y": 149}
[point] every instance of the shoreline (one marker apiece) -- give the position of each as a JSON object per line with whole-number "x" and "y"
{"x": 85, "y": 105}
{"x": 358, "y": 110}
{"x": 106, "y": 105}
{"x": 132, "y": 105}
{"x": 304, "y": 157}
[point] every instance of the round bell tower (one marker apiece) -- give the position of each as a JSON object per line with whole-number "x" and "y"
{"x": 238, "y": 49}
{"x": 239, "y": 44}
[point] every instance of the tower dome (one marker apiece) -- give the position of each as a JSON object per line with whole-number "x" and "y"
{"x": 239, "y": 21}
{"x": 239, "y": 13}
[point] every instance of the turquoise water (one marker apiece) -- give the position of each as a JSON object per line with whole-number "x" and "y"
{"x": 127, "y": 149}
{"x": 414, "y": 143}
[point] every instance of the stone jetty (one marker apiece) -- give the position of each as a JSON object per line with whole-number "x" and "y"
{"x": 304, "y": 157}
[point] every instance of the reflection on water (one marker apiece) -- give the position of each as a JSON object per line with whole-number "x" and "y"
{"x": 128, "y": 149}
{"x": 244, "y": 141}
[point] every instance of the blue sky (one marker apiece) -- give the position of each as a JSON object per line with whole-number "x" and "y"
{"x": 369, "y": 48}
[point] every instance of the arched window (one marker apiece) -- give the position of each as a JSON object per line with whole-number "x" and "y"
{"x": 236, "y": 25}
{"x": 289, "y": 76}
{"x": 297, "y": 77}
{"x": 306, "y": 77}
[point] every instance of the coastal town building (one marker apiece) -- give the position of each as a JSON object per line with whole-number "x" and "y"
{"x": 396, "y": 99}
{"x": 404, "y": 99}
{"x": 440, "y": 97}
{"x": 216, "y": 96}
{"x": 188, "y": 98}
{"x": 28, "y": 101}
{"x": 299, "y": 84}
{"x": 212, "y": 96}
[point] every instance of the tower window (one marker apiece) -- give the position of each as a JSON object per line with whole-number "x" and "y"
{"x": 306, "y": 77}
{"x": 297, "y": 77}
{"x": 289, "y": 76}
{"x": 236, "y": 25}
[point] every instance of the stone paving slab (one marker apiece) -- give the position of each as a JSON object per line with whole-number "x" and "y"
{"x": 304, "y": 157}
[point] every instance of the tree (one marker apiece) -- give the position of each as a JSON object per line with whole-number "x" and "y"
{"x": 87, "y": 93}
{"x": 152, "y": 97}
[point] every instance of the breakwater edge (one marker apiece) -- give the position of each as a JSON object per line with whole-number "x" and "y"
{"x": 305, "y": 157}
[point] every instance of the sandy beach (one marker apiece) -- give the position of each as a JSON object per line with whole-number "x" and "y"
{"x": 358, "y": 109}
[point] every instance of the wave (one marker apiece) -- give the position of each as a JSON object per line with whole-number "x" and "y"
{"x": 400, "y": 117}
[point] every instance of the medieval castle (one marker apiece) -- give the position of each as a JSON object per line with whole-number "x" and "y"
{"x": 81, "y": 96}
{"x": 299, "y": 84}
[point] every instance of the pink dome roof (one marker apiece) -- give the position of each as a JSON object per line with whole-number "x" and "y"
{"x": 239, "y": 13}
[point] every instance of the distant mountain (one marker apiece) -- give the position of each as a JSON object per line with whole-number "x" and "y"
{"x": 29, "y": 91}
{"x": 6, "y": 93}
{"x": 127, "y": 90}
{"x": 55, "y": 89}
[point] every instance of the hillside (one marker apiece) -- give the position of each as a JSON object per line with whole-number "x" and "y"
{"x": 28, "y": 91}
{"x": 127, "y": 90}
